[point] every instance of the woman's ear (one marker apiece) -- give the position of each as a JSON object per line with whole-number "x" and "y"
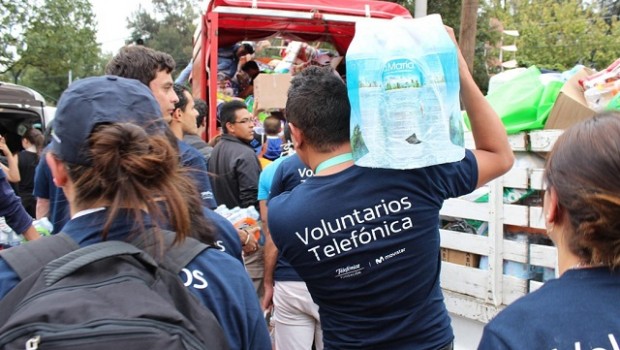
{"x": 59, "y": 172}
{"x": 551, "y": 206}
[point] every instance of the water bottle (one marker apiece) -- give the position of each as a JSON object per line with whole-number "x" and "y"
{"x": 43, "y": 226}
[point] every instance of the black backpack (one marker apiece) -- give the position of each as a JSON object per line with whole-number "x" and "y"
{"x": 109, "y": 295}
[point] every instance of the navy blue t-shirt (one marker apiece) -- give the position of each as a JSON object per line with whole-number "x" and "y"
{"x": 191, "y": 158}
{"x": 59, "y": 207}
{"x": 227, "y": 236}
{"x": 290, "y": 173}
{"x": 579, "y": 310}
{"x": 366, "y": 242}
{"x": 44, "y": 188}
{"x": 217, "y": 279}
{"x": 11, "y": 207}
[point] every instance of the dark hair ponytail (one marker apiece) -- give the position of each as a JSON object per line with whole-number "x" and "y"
{"x": 36, "y": 138}
{"x": 134, "y": 171}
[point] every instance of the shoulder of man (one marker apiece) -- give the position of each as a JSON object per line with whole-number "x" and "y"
{"x": 190, "y": 156}
{"x": 196, "y": 142}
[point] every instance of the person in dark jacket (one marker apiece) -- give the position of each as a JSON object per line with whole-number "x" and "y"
{"x": 235, "y": 170}
{"x": 233, "y": 161}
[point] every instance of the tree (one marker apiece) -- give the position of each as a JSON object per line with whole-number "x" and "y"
{"x": 610, "y": 8}
{"x": 13, "y": 14}
{"x": 469, "y": 27}
{"x": 450, "y": 11}
{"x": 60, "y": 40}
{"x": 558, "y": 34}
{"x": 169, "y": 29}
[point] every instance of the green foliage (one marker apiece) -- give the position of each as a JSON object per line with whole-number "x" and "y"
{"x": 169, "y": 29}
{"x": 59, "y": 37}
{"x": 609, "y": 7}
{"x": 450, "y": 11}
{"x": 13, "y": 13}
{"x": 558, "y": 34}
{"x": 554, "y": 34}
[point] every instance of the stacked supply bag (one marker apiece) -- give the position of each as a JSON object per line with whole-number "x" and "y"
{"x": 403, "y": 84}
{"x": 601, "y": 88}
{"x": 525, "y": 101}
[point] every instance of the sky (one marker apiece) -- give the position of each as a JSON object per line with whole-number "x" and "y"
{"x": 112, "y": 21}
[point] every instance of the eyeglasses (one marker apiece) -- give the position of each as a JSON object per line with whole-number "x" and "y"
{"x": 243, "y": 121}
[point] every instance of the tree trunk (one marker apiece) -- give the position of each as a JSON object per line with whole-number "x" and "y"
{"x": 467, "y": 35}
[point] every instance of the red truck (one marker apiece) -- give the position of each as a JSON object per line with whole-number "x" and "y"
{"x": 226, "y": 22}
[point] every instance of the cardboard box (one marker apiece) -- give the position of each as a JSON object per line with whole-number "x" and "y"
{"x": 271, "y": 90}
{"x": 460, "y": 258}
{"x": 570, "y": 106}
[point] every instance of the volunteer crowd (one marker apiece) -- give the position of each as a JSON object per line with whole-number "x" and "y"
{"x": 341, "y": 256}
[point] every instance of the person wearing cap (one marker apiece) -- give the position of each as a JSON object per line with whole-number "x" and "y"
{"x": 154, "y": 69}
{"x": 108, "y": 145}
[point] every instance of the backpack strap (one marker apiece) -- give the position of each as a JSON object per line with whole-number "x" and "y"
{"x": 27, "y": 258}
{"x": 69, "y": 263}
{"x": 177, "y": 256}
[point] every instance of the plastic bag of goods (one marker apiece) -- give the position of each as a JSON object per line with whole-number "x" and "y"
{"x": 403, "y": 84}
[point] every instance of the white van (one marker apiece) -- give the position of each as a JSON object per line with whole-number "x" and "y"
{"x": 21, "y": 108}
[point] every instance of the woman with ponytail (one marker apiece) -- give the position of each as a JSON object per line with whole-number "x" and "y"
{"x": 578, "y": 310}
{"x": 114, "y": 162}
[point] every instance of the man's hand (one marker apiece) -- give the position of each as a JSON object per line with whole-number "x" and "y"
{"x": 248, "y": 242}
{"x": 31, "y": 234}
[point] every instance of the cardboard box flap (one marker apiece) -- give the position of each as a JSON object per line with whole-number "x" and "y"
{"x": 270, "y": 90}
{"x": 570, "y": 107}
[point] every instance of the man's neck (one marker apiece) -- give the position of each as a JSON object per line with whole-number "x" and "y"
{"x": 239, "y": 138}
{"x": 315, "y": 159}
{"x": 177, "y": 130}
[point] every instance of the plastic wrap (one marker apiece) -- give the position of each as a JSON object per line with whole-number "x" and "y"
{"x": 403, "y": 83}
